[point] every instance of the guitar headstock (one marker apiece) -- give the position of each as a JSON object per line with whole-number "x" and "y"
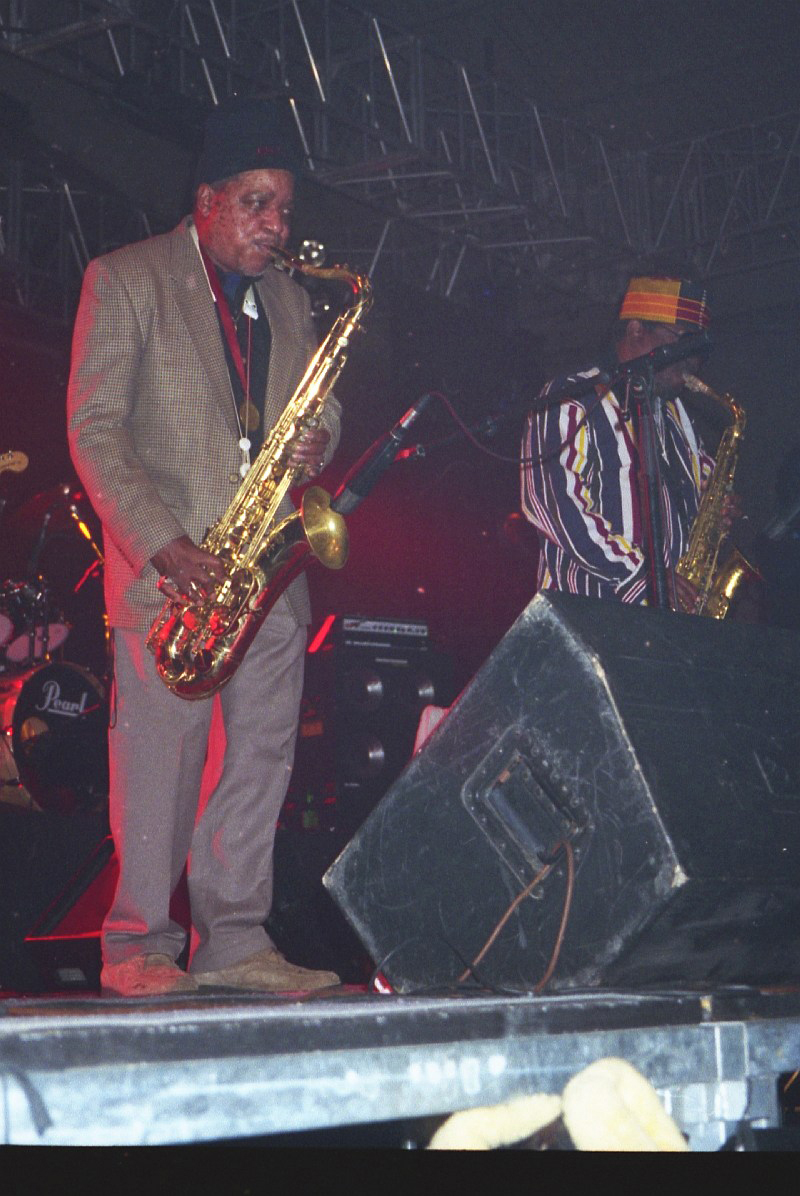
{"x": 14, "y": 461}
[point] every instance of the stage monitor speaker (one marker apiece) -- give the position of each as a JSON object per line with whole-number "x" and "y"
{"x": 661, "y": 748}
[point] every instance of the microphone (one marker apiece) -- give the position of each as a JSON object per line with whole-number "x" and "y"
{"x": 691, "y": 345}
{"x": 63, "y": 494}
{"x": 375, "y": 461}
{"x": 584, "y": 381}
{"x": 574, "y": 386}
{"x": 34, "y": 561}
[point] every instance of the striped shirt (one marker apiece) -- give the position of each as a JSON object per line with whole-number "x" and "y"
{"x": 580, "y": 490}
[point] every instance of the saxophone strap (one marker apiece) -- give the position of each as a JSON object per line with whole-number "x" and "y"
{"x": 248, "y": 376}
{"x": 226, "y": 320}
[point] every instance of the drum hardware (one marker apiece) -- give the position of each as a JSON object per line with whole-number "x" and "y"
{"x": 6, "y": 629}
{"x": 12, "y": 790}
{"x": 94, "y": 570}
{"x": 87, "y": 535}
{"x": 27, "y": 520}
{"x": 42, "y": 517}
{"x": 53, "y": 714}
{"x": 31, "y": 626}
{"x": 36, "y": 617}
{"x": 33, "y": 563}
{"x": 16, "y": 462}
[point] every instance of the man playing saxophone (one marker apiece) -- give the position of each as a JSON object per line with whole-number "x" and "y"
{"x": 187, "y": 347}
{"x": 584, "y": 458}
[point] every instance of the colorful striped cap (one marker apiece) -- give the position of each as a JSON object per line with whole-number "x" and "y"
{"x": 666, "y": 301}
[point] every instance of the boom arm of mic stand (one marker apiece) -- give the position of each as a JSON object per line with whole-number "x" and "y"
{"x": 488, "y": 425}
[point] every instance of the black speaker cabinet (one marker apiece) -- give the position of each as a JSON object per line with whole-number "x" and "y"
{"x": 662, "y": 748}
{"x": 387, "y": 672}
{"x": 363, "y": 696}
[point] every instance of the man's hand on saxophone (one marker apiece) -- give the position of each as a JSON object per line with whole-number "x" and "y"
{"x": 187, "y": 571}
{"x": 731, "y": 511}
{"x": 687, "y": 594}
{"x": 308, "y": 451}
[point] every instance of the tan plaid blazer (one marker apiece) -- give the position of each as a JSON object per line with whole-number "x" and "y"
{"x": 151, "y": 419}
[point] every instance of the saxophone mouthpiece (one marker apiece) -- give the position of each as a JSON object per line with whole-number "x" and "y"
{"x": 281, "y": 258}
{"x": 695, "y": 384}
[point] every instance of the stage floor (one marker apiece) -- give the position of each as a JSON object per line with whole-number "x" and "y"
{"x": 81, "y": 1070}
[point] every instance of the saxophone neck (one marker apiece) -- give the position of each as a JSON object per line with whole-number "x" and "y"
{"x": 734, "y": 407}
{"x": 359, "y": 283}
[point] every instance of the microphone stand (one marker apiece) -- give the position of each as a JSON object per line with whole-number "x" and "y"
{"x": 39, "y": 595}
{"x": 641, "y": 399}
{"x": 486, "y": 427}
{"x": 370, "y": 467}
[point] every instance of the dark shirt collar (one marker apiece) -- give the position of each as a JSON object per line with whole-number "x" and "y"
{"x": 234, "y": 287}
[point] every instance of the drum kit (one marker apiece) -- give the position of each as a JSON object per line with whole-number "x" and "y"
{"x": 53, "y": 677}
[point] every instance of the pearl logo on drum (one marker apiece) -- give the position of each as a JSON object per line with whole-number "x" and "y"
{"x": 57, "y": 720}
{"x": 51, "y": 700}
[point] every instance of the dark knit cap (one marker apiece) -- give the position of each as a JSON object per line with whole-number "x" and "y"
{"x": 248, "y": 134}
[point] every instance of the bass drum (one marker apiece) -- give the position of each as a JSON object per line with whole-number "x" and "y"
{"x": 56, "y": 718}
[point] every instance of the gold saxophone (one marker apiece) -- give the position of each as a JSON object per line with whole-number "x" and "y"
{"x": 198, "y": 646}
{"x": 716, "y": 581}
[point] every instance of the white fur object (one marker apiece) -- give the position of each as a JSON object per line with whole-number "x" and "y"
{"x": 611, "y": 1106}
{"x": 608, "y": 1106}
{"x": 497, "y": 1125}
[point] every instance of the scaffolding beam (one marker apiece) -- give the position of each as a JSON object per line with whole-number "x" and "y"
{"x": 462, "y": 170}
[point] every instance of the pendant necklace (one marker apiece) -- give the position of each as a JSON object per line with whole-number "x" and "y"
{"x": 246, "y": 413}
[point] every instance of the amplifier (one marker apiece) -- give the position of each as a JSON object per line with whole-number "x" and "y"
{"x": 366, "y": 686}
{"x": 358, "y": 631}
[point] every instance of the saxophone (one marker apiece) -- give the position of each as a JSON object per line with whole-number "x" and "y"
{"x": 198, "y": 646}
{"x": 716, "y": 582}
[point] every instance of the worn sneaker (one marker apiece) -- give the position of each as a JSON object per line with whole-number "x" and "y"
{"x": 145, "y": 976}
{"x": 267, "y": 971}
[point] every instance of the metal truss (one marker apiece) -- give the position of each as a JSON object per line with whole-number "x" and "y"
{"x": 448, "y": 180}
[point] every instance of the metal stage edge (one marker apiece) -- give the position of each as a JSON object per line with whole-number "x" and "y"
{"x": 83, "y": 1071}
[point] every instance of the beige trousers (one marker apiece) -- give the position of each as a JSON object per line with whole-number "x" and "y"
{"x": 201, "y": 781}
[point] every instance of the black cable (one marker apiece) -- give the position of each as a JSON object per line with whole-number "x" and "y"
{"x": 468, "y": 432}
